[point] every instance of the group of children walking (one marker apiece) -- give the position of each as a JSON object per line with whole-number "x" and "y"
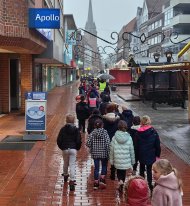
{"x": 123, "y": 141}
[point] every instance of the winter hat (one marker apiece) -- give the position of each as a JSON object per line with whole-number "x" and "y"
{"x": 137, "y": 192}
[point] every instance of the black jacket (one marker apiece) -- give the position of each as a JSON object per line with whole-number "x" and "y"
{"x": 127, "y": 116}
{"x": 148, "y": 145}
{"x": 110, "y": 121}
{"x": 69, "y": 137}
{"x": 91, "y": 122}
{"x": 82, "y": 110}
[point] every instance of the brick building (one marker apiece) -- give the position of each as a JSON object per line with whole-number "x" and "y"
{"x": 24, "y": 60}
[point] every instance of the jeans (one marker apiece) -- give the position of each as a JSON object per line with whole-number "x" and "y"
{"x": 69, "y": 158}
{"x": 104, "y": 163}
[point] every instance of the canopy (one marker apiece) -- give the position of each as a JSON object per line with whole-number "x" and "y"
{"x": 122, "y": 65}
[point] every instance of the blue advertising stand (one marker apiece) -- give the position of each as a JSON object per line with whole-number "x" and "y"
{"x": 35, "y": 116}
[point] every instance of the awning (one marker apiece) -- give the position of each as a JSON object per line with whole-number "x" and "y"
{"x": 180, "y": 66}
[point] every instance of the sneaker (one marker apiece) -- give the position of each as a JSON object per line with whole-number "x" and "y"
{"x": 102, "y": 183}
{"x": 72, "y": 185}
{"x": 96, "y": 185}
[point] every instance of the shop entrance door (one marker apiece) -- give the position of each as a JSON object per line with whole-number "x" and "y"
{"x": 14, "y": 84}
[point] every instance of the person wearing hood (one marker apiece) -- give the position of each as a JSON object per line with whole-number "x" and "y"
{"x": 69, "y": 141}
{"x": 122, "y": 153}
{"x": 148, "y": 148}
{"x": 168, "y": 184}
{"x": 137, "y": 192}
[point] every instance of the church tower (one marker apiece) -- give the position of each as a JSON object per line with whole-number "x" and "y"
{"x": 91, "y": 27}
{"x": 91, "y": 41}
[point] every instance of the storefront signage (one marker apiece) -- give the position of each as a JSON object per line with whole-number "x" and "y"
{"x": 44, "y": 18}
{"x": 36, "y": 95}
{"x": 71, "y": 37}
{"x": 35, "y": 115}
{"x": 68, "y": 53}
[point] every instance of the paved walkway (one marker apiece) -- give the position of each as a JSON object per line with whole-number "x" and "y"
{"x": 33, "y": 177}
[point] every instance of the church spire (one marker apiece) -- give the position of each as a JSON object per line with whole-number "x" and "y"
{"x": 90, "y": 25}
{"x": 90, "y": 13}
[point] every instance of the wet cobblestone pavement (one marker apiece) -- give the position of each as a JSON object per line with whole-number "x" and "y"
{"x": 33, "y": 178}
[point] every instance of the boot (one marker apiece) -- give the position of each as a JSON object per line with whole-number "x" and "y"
{"x": 112, "y": 175}
{"x": 120, "y": 186}
{"x": 102, "y": 182}
{"x": 72, "y": 185}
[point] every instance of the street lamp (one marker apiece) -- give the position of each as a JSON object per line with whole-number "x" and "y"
{"x": 156, "y": 57}
{"x": 169, "y": 56}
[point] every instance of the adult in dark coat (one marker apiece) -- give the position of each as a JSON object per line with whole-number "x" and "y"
{"x": 93, "y": 117}
{"x": 103, "y": 104}
{"x": 148, "y": 148}
{"x": 127, "y": 116}
{"x": 82, "y": 112}
{"x": 110, "y": 120}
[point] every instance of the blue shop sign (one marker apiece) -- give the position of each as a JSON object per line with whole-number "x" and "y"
{"x": 44, "y": 18}
{"x": 36, "y": 95}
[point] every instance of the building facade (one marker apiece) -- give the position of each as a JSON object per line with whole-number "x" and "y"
{"x": 31, "y": 59}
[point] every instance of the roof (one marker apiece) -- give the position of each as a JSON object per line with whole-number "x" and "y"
{"x": 155, "y": 6}
{"x": 175, "y": 66}
{"x": 130, "y": 27}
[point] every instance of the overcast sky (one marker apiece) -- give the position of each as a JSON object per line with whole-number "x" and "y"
{"x": 109, "y": 15}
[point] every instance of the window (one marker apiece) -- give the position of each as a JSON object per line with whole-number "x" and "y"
{"x": 153, "y": 26}
{"x": 149, "y": 28}
{"x": 159, "y": 39}
{"x": 168, "y": 16}
{"x": 156, "y": 40}
{"x": 156, "y": 24}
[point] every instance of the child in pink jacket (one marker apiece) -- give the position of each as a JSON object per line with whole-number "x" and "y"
{"x": 168, "y": 185}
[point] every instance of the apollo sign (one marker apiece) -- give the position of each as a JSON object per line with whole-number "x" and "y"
{"x": 44, "y": 18}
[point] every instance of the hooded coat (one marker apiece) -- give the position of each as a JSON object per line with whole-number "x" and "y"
{"x": 148, "y": 145}
{"x": 122, "y": 151}
{"x": 167, "y": 192}
{"x": 138, "y": 193}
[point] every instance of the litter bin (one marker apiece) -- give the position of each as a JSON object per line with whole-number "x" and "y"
{"x": 113, "y": 88}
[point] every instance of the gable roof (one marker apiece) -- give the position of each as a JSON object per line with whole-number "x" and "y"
{"x": 130, "y": 27}
{"x": 155, "y": 6}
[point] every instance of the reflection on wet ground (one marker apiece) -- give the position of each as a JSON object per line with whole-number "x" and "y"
{"x": 33, "y": 178}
